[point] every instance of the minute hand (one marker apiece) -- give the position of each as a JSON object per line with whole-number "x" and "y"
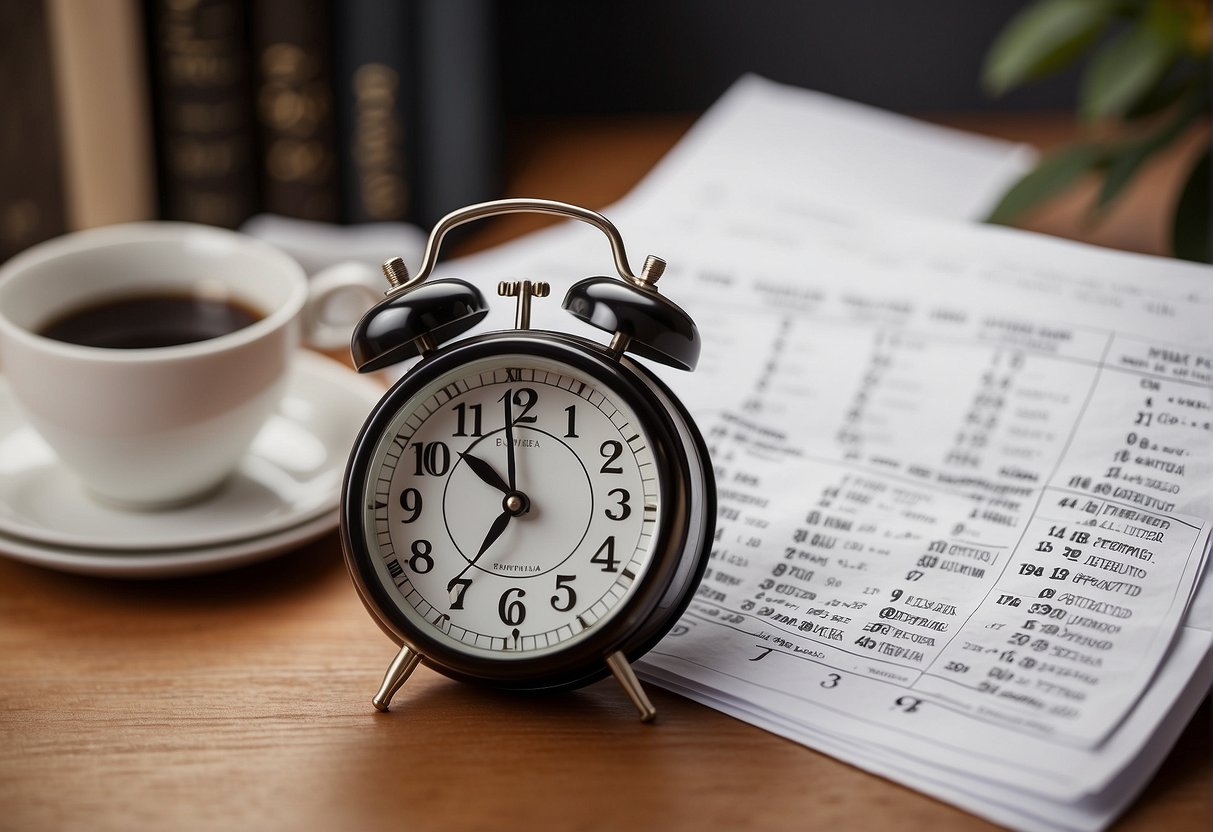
{"x": 495, "y": 532}
{"x": 509, "y": 440}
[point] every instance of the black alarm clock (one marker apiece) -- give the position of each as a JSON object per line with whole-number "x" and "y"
{"x": 526, "y": 509}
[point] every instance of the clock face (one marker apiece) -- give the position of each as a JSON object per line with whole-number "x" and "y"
{"x": 511, "y": 505}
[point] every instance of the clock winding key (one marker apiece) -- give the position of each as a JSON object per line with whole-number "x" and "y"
{"x": 524, "y": 290}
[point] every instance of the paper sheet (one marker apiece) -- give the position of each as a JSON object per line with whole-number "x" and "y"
{"x": 964, "y": 471}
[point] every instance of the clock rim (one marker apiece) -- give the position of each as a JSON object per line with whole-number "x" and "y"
{"x": 672, "y": 575}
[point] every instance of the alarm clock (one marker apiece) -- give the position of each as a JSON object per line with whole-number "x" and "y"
{"x": 526, "y": 509}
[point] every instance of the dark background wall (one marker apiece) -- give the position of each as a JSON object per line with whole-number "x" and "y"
{"x": 595, "y": 56}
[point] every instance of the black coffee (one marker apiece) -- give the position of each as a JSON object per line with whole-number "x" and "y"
{"x": 146, "y": 321}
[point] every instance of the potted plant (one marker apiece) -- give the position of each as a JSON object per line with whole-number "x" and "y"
{"x": 1147, "y": 72}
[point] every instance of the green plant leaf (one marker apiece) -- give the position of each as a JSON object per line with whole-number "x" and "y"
{"x": 1187, "y": 78}
{"x": 1126, "y": 160}
{"x": 1192, "y": 225}
{"x": 1123, "y": 72}
{"x": 1042, "y": 39}
{"x": 1054, "y": 174}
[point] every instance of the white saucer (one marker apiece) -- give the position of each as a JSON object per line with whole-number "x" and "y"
{"x": 170, "y": 563}
{"x": 291, "y": 477}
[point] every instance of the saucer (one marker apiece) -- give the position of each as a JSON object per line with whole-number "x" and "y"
{"x": 291, "y": 476}
{"x": 171, "y": 563}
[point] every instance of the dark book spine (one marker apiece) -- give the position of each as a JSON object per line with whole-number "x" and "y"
{"x": 374, "y": 96}
{"x": 295, "y": 109}
{"x": 459, "y": 129}
{"x": 32, "y": 204}
{"x": 203, "y": 110}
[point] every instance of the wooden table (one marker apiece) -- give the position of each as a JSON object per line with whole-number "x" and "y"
{"x": 241, "y": 700}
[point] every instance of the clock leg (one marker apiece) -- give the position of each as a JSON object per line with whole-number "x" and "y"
{"x": 397, "y": 673}
{"x": 626, "y": 677}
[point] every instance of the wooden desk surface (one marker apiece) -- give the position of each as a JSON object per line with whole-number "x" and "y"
{"x": 241, "y": 700}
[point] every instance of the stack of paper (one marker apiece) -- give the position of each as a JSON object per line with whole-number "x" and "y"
{"x": 964, "y": 472}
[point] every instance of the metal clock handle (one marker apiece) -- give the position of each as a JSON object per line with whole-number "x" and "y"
{"x": 398, "y": 276}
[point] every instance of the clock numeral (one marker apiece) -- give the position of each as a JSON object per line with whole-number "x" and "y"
{"x": 457, "y": 588}
{"x": 563, "y": 582}
{"x": 513, "y": 612}
{"x": 513, "y": 374}
{"x": 571, "y": 433}
{"x": 461, "y": 412}
{"x": 410, "y": 501}
{"x": 625, "y": 510}
{"x": 421, "y": 562}
{"x": 525, "y": 398}
{"x": 433, "y": 458}
{"x": 394, "y": 568}
{"x": 611, "y": 450}
{"x": 605, "y": 556}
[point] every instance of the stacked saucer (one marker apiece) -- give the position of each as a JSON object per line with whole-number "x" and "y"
{"x": 286, "y": 492}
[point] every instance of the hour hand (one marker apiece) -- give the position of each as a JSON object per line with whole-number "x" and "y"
{"x": 485, "y": 471}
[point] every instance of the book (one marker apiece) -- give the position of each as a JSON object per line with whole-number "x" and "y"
{"x": 204, "y": 127}
{"x": 32, "y": 206}
{"x": 293, "y": 71}
{"x": 458, "y": 146}
{"x": 375, "y": 95}
{"x": 105, "y": 116}
{"x": 77, "y": 133}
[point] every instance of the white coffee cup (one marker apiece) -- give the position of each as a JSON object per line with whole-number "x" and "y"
{"x": 156, "y": 427}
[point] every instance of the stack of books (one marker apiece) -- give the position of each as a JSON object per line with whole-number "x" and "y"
{"x": 214, "y": 110}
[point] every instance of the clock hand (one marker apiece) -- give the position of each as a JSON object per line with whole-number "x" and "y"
{"x": 515, "y": 504}
{"x": 495, "y": 531}
{"x": 485, "y": 471}
{"x": 509, "y": 439}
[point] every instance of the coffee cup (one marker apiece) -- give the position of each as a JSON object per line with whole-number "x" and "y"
{"x": 149, "y": 355}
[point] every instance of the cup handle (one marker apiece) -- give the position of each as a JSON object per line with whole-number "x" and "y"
{"x": 337, "y": 298}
